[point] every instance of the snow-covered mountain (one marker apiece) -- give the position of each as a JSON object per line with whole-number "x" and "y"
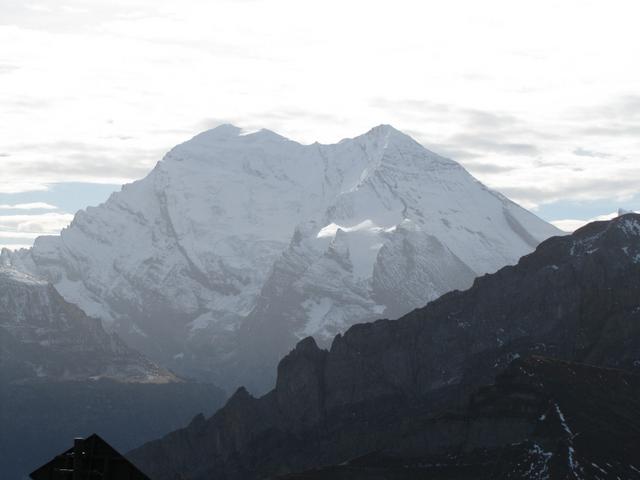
{"x": 236, "y": 245}
{"x": 45, "y": 338}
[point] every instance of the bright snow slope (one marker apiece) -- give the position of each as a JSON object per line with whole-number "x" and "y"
{"x": 235, "y": 245}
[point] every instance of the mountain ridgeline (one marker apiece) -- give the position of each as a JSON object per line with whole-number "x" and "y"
{"x": 238, "y": 245}
{"x": 557, "y": 335}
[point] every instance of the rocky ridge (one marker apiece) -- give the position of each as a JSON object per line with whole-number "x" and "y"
{"x": 574, "y": 299}
{"x": 45, "y": 338}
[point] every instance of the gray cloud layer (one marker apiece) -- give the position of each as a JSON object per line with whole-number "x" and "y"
{"x": 98, "y": 91}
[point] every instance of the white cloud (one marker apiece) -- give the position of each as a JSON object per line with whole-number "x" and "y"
{"x": 45, "y": 223}
{"x": 98, "y": 91}
{"x": 28, "y": 206}
{"x": 19, "y": 231}
{"x": 15, "y": 234}
{"x": 571, "y": 225}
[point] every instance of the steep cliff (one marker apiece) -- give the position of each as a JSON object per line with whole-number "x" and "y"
{"x": 575, "y": 298}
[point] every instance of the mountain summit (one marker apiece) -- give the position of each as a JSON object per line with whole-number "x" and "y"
{"x": 236, "y": 245}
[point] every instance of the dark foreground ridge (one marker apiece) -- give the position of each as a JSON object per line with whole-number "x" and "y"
{"x": 543, "y": 418}
{"x": 383, "y": 390}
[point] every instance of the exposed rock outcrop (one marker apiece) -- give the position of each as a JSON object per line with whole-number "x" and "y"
{"x": 62, "y": 375}
{"x": 576, "y": 298}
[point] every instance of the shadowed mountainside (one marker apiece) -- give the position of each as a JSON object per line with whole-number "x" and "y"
{"x": 575, "y": 298}
{"x": 543, "y": 418}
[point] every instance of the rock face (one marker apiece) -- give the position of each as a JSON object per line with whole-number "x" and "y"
{"x": 237, "y": 245}
{"x": 575, "y": 298}
{"x": 43, "y": 337}
{"x": 62, "y": 376}
{"x": 542, "y": 419}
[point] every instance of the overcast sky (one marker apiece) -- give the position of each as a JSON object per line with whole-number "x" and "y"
{"x": 538, "y": 99}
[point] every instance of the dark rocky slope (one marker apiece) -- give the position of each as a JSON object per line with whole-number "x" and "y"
{"x": 575, "y": 298}
{"x": 543, "y": 418}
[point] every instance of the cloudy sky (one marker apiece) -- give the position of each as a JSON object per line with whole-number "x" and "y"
{"x": 538, "y": 99}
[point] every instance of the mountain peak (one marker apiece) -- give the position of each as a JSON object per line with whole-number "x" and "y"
{"x": 221, "y": 132}
{"x": 224, "y": 129}
{"x": 384, "y": 128}
{"x": 387, "y": 132}
{"x": 264, "y": 134}
{"x": 227, "y": 131}
{"x": 384, "y": 139}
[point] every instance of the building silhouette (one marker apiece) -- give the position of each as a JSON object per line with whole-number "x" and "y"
{"x": 89, "y": 459}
